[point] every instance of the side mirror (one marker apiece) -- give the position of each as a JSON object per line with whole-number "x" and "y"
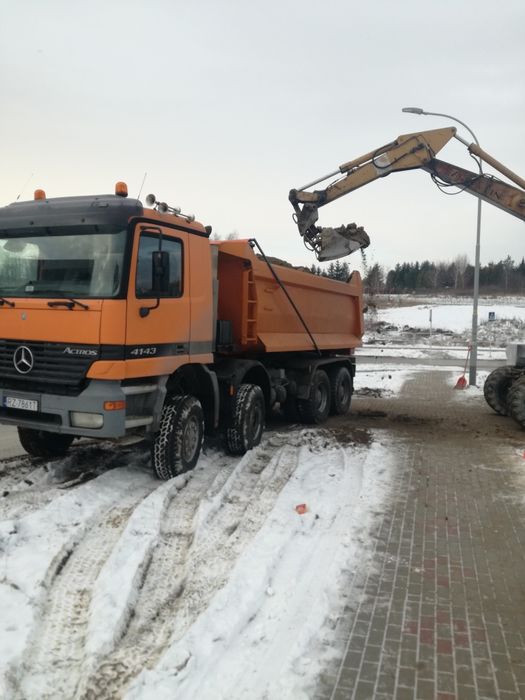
{"x": 160, "y": 260}
{"x": 160, "y": 271}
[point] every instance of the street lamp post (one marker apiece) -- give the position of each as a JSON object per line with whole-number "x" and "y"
{"x": 475, "y": 299}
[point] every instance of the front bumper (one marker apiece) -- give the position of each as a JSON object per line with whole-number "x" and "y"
{"x": 54, "y": 412}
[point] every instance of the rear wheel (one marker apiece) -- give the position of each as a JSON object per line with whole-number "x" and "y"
{"x": 496, "y": 388}
{"x": 43, "y": 444}
{"x": 341, "y": 388}
{"x": 177, "y": 445}
{"x": 516, "y": 401}
{"x": 316, "y": 408}
{"x": 246, "y": 420}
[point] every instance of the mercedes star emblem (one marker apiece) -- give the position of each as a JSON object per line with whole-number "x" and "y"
{"x": 23, "y": 359}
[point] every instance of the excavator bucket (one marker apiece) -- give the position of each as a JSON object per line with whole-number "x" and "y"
{"x": 333, "y": 243}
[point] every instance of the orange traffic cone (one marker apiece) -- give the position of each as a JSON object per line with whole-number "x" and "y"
{"x": 462, "y": 381}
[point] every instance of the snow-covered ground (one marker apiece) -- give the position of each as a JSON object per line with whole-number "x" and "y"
{"x": 224, "y": 583}
{"x": 208, "y": 580}
{"x": 441, "y": 322}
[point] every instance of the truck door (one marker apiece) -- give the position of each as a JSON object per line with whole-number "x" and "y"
{"x": 158, "y": 325}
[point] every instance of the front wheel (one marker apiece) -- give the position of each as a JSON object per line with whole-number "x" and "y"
{"x": 516, "y": 401}
{"x": 177, "y": 445}
{"x": 43, "y": 444}
{"x": 497, "y": 387}
{"x": 246, "y": 419}
{"x": 341, "y": 387}
{"x": 316, "y": 408}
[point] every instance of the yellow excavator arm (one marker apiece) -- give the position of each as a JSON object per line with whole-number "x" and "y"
{"x": 407, "y": 152}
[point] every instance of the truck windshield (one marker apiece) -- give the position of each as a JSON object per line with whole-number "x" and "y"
{"x": 78, "y": 261}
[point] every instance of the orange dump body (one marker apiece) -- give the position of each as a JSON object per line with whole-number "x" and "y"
{"x": 264, "y": 320}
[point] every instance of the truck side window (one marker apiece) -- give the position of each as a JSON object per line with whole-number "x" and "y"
{"x": 144, "y": 278}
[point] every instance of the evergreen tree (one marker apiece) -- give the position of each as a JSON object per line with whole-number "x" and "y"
{"x": 504, "y": 276}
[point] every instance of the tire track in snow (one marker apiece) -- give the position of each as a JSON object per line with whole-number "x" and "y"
{"x": 54, "y": 659}
{"x": 161, "y": 586}
{"x": 38, "y": 549}
{"x": 200, "y": 541}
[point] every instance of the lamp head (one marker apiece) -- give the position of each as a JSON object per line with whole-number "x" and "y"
{"x": 413, "y": 110}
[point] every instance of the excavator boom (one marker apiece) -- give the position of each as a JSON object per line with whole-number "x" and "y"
{"x": 489, "y": 189}
{"x": 407, "y": 152}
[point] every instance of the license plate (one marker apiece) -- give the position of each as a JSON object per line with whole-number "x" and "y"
{"x": 22, "y": 404}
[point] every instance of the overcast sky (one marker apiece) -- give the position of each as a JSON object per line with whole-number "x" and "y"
{"x": 229, "y": 104}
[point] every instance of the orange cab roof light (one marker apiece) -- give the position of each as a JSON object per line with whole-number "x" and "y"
{"x": 121, "y": 189}
{"x": 39, "y": 194}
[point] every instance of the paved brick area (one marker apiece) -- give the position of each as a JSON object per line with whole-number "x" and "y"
{"x": 441, "y": 606}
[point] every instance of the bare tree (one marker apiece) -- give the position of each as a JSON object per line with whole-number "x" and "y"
{"x": 233, "y": 236}
{"x": 460, "y": 265}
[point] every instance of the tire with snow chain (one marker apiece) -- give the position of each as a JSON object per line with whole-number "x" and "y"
{"x": 341, "y": 390}
{"x": 497, "y": 387}
{"x": 43, "y": 444}
{"x": 516, "y": 401}
{"x": 316, "y": 408}
{"x": 246, "y": 420}
{"x": 177, "y": 445}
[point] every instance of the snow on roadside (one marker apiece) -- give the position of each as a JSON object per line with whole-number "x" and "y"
{"x": 469, "y": 392}
{"x": 444, "y": 322}
{"x": 455, "y": 318}
{"x": 389, "y": 382}
{"x": 432, "y": 351}
{"x": 35, "y": 546}
{"x": 386, "y": 381}
{"x": 397, "y": 300}
{"x": 261, "y": 635}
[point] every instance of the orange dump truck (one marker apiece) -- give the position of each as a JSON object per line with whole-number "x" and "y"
{"x": 126, "y": 322}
